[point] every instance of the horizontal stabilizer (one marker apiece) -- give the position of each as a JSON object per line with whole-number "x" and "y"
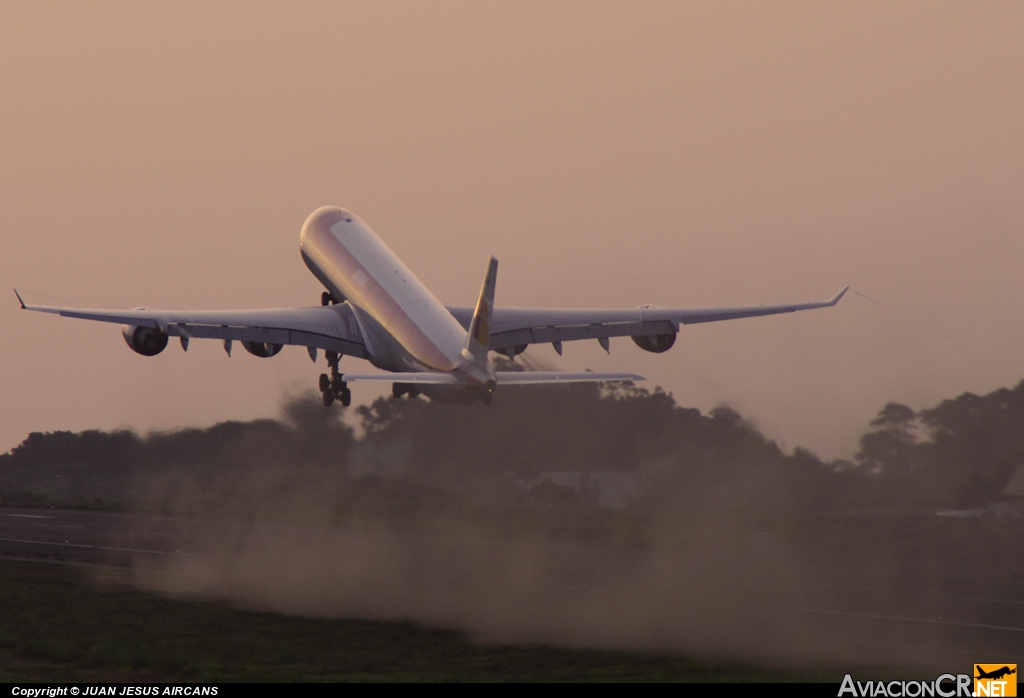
{"x": 538, "y": 377}
{"x": 423, "y": 378}
{"x": 502, "y": 377}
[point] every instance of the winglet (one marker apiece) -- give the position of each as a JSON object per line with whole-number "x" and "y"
{"x": 835, "y": 299}
{"x": 19, "y": 299}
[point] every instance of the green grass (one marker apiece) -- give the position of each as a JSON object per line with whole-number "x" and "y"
{"x": 71, "y": 624}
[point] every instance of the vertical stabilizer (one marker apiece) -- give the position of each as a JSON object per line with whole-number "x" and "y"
{"x": 480, "y": 327}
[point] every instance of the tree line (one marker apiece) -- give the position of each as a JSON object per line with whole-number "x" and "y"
{"x": 962, "y": 452}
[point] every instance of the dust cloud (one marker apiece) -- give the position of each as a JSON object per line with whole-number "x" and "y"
{"x": 710, "y": 589}
{"x": 586, "y": 515}
{"x": 453, "y": 517}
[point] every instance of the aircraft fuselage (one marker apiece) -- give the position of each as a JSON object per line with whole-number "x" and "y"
{"x": 406, "y": 328}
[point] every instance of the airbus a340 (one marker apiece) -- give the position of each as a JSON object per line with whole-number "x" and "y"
{"x": 376, "y": 309}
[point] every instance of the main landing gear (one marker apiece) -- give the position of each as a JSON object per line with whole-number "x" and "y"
{"x": 333, "y": 387}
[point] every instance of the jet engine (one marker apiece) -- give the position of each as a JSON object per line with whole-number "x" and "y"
{"x": 148, "y": 341}
{"x": 656, "y": 343}
{"x": 264, "y": 350}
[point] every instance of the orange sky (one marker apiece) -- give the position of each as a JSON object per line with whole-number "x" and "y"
{"x": 612, "y": 154}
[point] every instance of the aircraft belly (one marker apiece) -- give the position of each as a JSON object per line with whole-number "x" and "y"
{"x": 430, "y": 320}
{"x": 383, "y": 350}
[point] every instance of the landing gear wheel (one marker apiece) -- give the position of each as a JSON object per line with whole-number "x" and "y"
{"x": 397, "y": 390}
{"x": 333, "y": 386}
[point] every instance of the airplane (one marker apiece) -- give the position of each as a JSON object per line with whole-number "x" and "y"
{"x": 995, "y": 673}
{"x": 375, "y": 308}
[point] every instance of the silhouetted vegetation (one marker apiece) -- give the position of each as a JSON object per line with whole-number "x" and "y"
{"x": 961, "y": 452}
{"x": 973, "y": 447}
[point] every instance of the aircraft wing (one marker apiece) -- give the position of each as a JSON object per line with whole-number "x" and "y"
{"x": 511, "y": 327}
{"x": 332, "y": 328}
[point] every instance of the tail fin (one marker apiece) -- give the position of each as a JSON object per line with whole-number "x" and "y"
{"x": 479, "y": 335}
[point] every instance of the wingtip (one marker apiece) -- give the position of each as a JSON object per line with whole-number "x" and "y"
{"x": 18, "y": 295}
{"x": 835, "y": 298}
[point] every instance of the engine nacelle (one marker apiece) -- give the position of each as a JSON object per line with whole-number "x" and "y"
{"x": 148, "y": 341}
{"x": 264, "y": 350}
{"x": 655, "y": 343}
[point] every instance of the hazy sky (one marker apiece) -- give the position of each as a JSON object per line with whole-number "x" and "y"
{"x": 609, "y": 154}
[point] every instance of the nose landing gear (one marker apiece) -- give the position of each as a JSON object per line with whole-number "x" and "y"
{"x": 333, "y": 387}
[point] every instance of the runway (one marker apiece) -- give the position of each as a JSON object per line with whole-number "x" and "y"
{"x": 93, "y": 538}
{"x": 951, "y": 592}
